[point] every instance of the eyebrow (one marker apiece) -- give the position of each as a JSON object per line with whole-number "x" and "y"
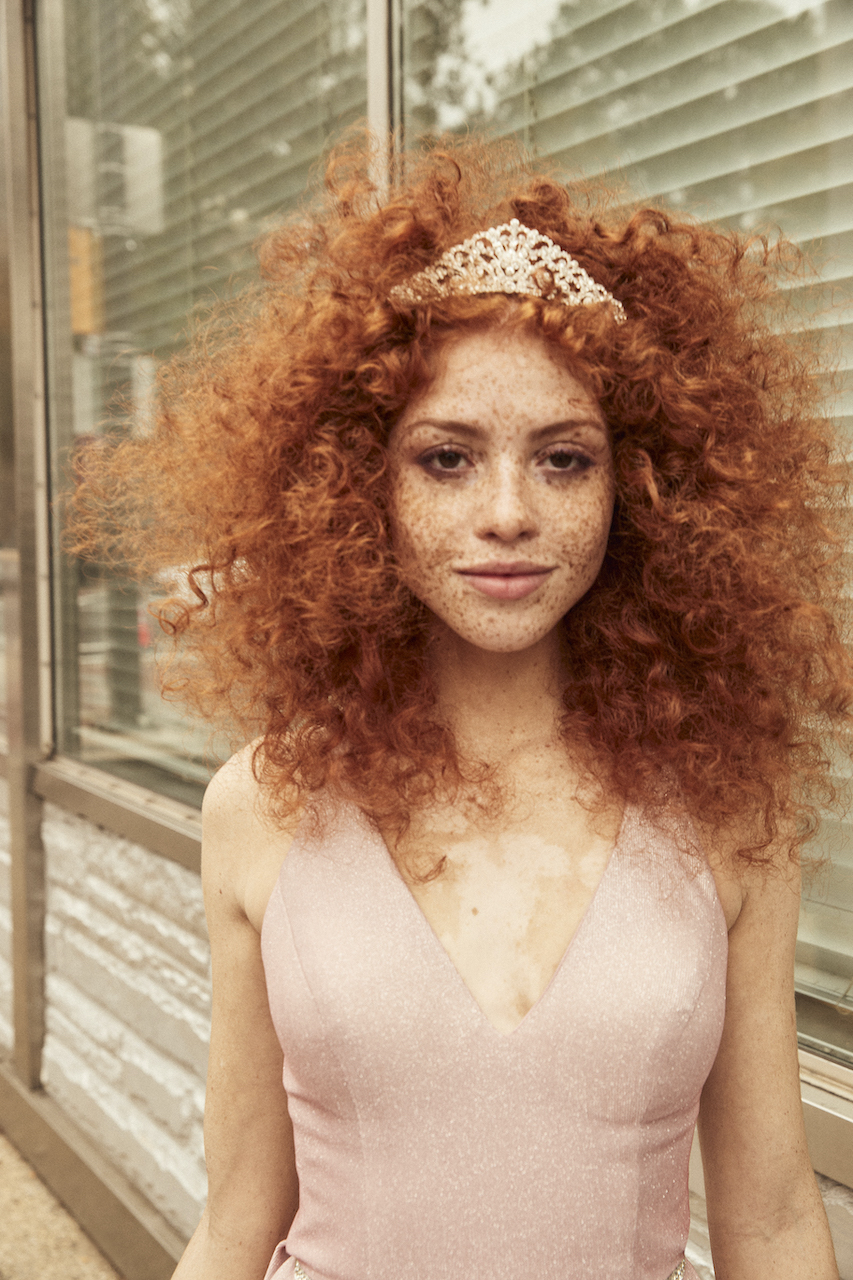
{"x": 474, "y": 432}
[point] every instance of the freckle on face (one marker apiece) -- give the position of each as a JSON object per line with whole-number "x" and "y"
{"x": 502, "y": 464}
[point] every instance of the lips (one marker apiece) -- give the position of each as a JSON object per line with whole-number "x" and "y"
{"x": 503, "y": 581}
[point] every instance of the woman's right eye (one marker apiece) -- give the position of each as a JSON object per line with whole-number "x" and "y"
{"x": 444, "y": 460}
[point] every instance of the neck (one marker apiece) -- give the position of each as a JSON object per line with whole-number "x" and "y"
{"x": 498, "y": 704}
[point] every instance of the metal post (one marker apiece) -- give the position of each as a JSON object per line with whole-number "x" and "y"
{"x": 383, "y": 114}
{"x": 378, "y": 67}
{"x": 27, "y": 593}
{"x": 58, "y": 354}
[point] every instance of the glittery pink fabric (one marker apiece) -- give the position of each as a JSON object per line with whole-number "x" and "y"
{"x": 429, "y": 1145}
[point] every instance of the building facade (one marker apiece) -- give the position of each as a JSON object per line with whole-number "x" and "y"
{"x": 147, "y": 145}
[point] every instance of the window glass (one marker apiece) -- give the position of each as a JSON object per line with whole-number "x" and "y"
{"x": 8, "y": 557}
{"x": 736, "y": 110}
{"x": 3, "y": 676}
{"x": 173, "y": 133}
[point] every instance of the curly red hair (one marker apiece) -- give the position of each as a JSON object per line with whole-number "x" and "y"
{"x": 709, "y": 648}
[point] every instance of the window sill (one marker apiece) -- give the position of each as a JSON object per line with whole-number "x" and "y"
{"x": 163, "y": 825}
{"x": 827, "y": 1091}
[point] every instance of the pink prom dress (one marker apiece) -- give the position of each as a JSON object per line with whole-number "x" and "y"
{"x": 429, "y": 1145}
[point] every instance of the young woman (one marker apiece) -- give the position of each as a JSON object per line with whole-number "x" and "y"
{"x": 514, "y": 524}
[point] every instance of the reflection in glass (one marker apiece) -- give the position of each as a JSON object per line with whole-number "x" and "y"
{"x": 182, "y": 132}
{"x": 736, "y": 110}
{"x": 825, "y": 950}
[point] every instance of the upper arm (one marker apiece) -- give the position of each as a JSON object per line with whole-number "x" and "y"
{"x": 751, "y": 1116}
{"x": 758, "y": 1176}
{"x": 248, "y": 1138}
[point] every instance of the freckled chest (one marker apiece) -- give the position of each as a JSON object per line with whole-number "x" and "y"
{"x": 508, "y": 903}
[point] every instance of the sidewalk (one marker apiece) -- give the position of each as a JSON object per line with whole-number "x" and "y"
{"x": 38, "y": 1239}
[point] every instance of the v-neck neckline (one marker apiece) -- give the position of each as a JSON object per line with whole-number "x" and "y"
{"x": 443, "y": 955}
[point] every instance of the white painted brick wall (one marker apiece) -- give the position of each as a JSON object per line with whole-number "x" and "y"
{"x": 128, "y": 1007}
{"x": 5, "y": 923}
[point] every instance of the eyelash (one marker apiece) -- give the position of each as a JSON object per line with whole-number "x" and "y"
{"x": 581, "y": 461}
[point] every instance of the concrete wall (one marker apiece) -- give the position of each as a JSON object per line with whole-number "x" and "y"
{"x": 5, "y": 924}
{"x": 128, "y": 1008}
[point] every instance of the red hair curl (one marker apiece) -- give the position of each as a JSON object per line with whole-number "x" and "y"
{"x": 710, "y": 647}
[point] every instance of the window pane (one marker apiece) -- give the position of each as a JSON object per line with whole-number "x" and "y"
{"x": 736, "y": 110}
{"x": 8, "y": 557}
{"x": 825, "y": 951}
{"x": 3, "y": 668}
{"x": 174, "y": 132}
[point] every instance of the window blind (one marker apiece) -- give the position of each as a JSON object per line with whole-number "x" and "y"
{"x": 187, "y": 128}
{"x": 739, "y": 111}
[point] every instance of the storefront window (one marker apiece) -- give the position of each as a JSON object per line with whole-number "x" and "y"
{"x": 8, "y": 557}
{"x": 174, "y": 132}
{"x": 3, "y": 668}
{"x": 735, "y": 110}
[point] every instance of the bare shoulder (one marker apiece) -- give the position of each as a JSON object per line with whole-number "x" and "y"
{"x": 751, "y": 893}
{"x": 243, "y": 844}
{"x": 234, "y": 790}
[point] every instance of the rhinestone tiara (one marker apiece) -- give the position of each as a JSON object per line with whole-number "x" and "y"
{"x": 510, "y": 258}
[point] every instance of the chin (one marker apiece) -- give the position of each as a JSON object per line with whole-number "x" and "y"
{"x": 494, "y": 635}
{"x": 502, "y": 643}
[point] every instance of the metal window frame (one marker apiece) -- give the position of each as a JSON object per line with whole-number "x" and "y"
{"x": 380, "y": 106}
{"x": 384, "y": 84}
{"x": 160, "y": 824}
{"x": 27, "y": 568}
{"x": 130, "y": 1232}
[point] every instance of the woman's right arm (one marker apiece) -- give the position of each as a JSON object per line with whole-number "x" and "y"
{"x": 248, "y": 1140}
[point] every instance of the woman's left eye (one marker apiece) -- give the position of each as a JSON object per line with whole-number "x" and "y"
{"x": 567, "y": 460}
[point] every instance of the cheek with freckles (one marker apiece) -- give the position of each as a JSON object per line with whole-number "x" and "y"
{"x": 502, "y": 490}
{"x": 432, "y": 535}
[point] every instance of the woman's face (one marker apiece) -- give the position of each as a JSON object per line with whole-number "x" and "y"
{"x": 502, "y": 490}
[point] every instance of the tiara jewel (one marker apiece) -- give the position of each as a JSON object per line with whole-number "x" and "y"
{"x": 507, "y": 259}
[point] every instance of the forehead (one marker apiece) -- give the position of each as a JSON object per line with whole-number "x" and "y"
{"x": 499, "y": 373}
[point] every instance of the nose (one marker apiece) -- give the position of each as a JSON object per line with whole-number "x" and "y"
{"x": 506, "y": 508}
